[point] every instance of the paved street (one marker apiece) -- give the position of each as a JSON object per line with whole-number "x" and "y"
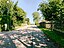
{"x": 28, "y": 37}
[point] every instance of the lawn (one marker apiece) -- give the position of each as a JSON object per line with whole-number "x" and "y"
{"x": 54, "y": 37}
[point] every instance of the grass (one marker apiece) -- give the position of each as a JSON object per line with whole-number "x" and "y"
{"x": 55, "y": 37}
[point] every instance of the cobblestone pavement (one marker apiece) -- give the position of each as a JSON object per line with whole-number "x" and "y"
{"x": 30, "y": 37}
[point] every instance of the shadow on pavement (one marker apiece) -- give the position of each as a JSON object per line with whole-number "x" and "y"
{"x": 26, "y": 39}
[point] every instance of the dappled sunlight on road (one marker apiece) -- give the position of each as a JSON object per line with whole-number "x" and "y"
{"x": 30, "y": 37}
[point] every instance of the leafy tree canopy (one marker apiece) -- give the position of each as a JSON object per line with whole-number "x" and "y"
{"x": 11, "y": 14}
{"x": 36, "y": 17}
{"x": 52, "y": 10}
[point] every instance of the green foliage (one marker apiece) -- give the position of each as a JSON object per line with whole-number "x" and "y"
{"x": 10, "y": 14}
{"x": 52, "y": 10}
{"x": 36, "y": 17}
{"x": 28, "y": 22}
{"x": 19, "y": 15}
{"x": 6, "y": 12}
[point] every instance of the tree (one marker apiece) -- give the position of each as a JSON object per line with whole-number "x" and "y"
{"x": 19, "y": 15}
{"x": 36, "y": 17}
{"x": 10, "y": 14}
{"x": 28, "y": 22}
{"x": 52, "y": 11}
{"x": 6, "y": 12}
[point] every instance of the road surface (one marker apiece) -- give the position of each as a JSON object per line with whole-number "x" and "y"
{"x": 27, "y": 37}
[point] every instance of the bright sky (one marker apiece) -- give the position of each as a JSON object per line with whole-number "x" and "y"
{"x": 29, "y": 6}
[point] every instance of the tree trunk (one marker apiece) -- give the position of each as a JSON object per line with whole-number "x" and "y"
{"x": 51, "y": 25}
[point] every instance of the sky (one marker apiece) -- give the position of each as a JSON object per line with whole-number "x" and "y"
{"x": 29, "y": 6}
